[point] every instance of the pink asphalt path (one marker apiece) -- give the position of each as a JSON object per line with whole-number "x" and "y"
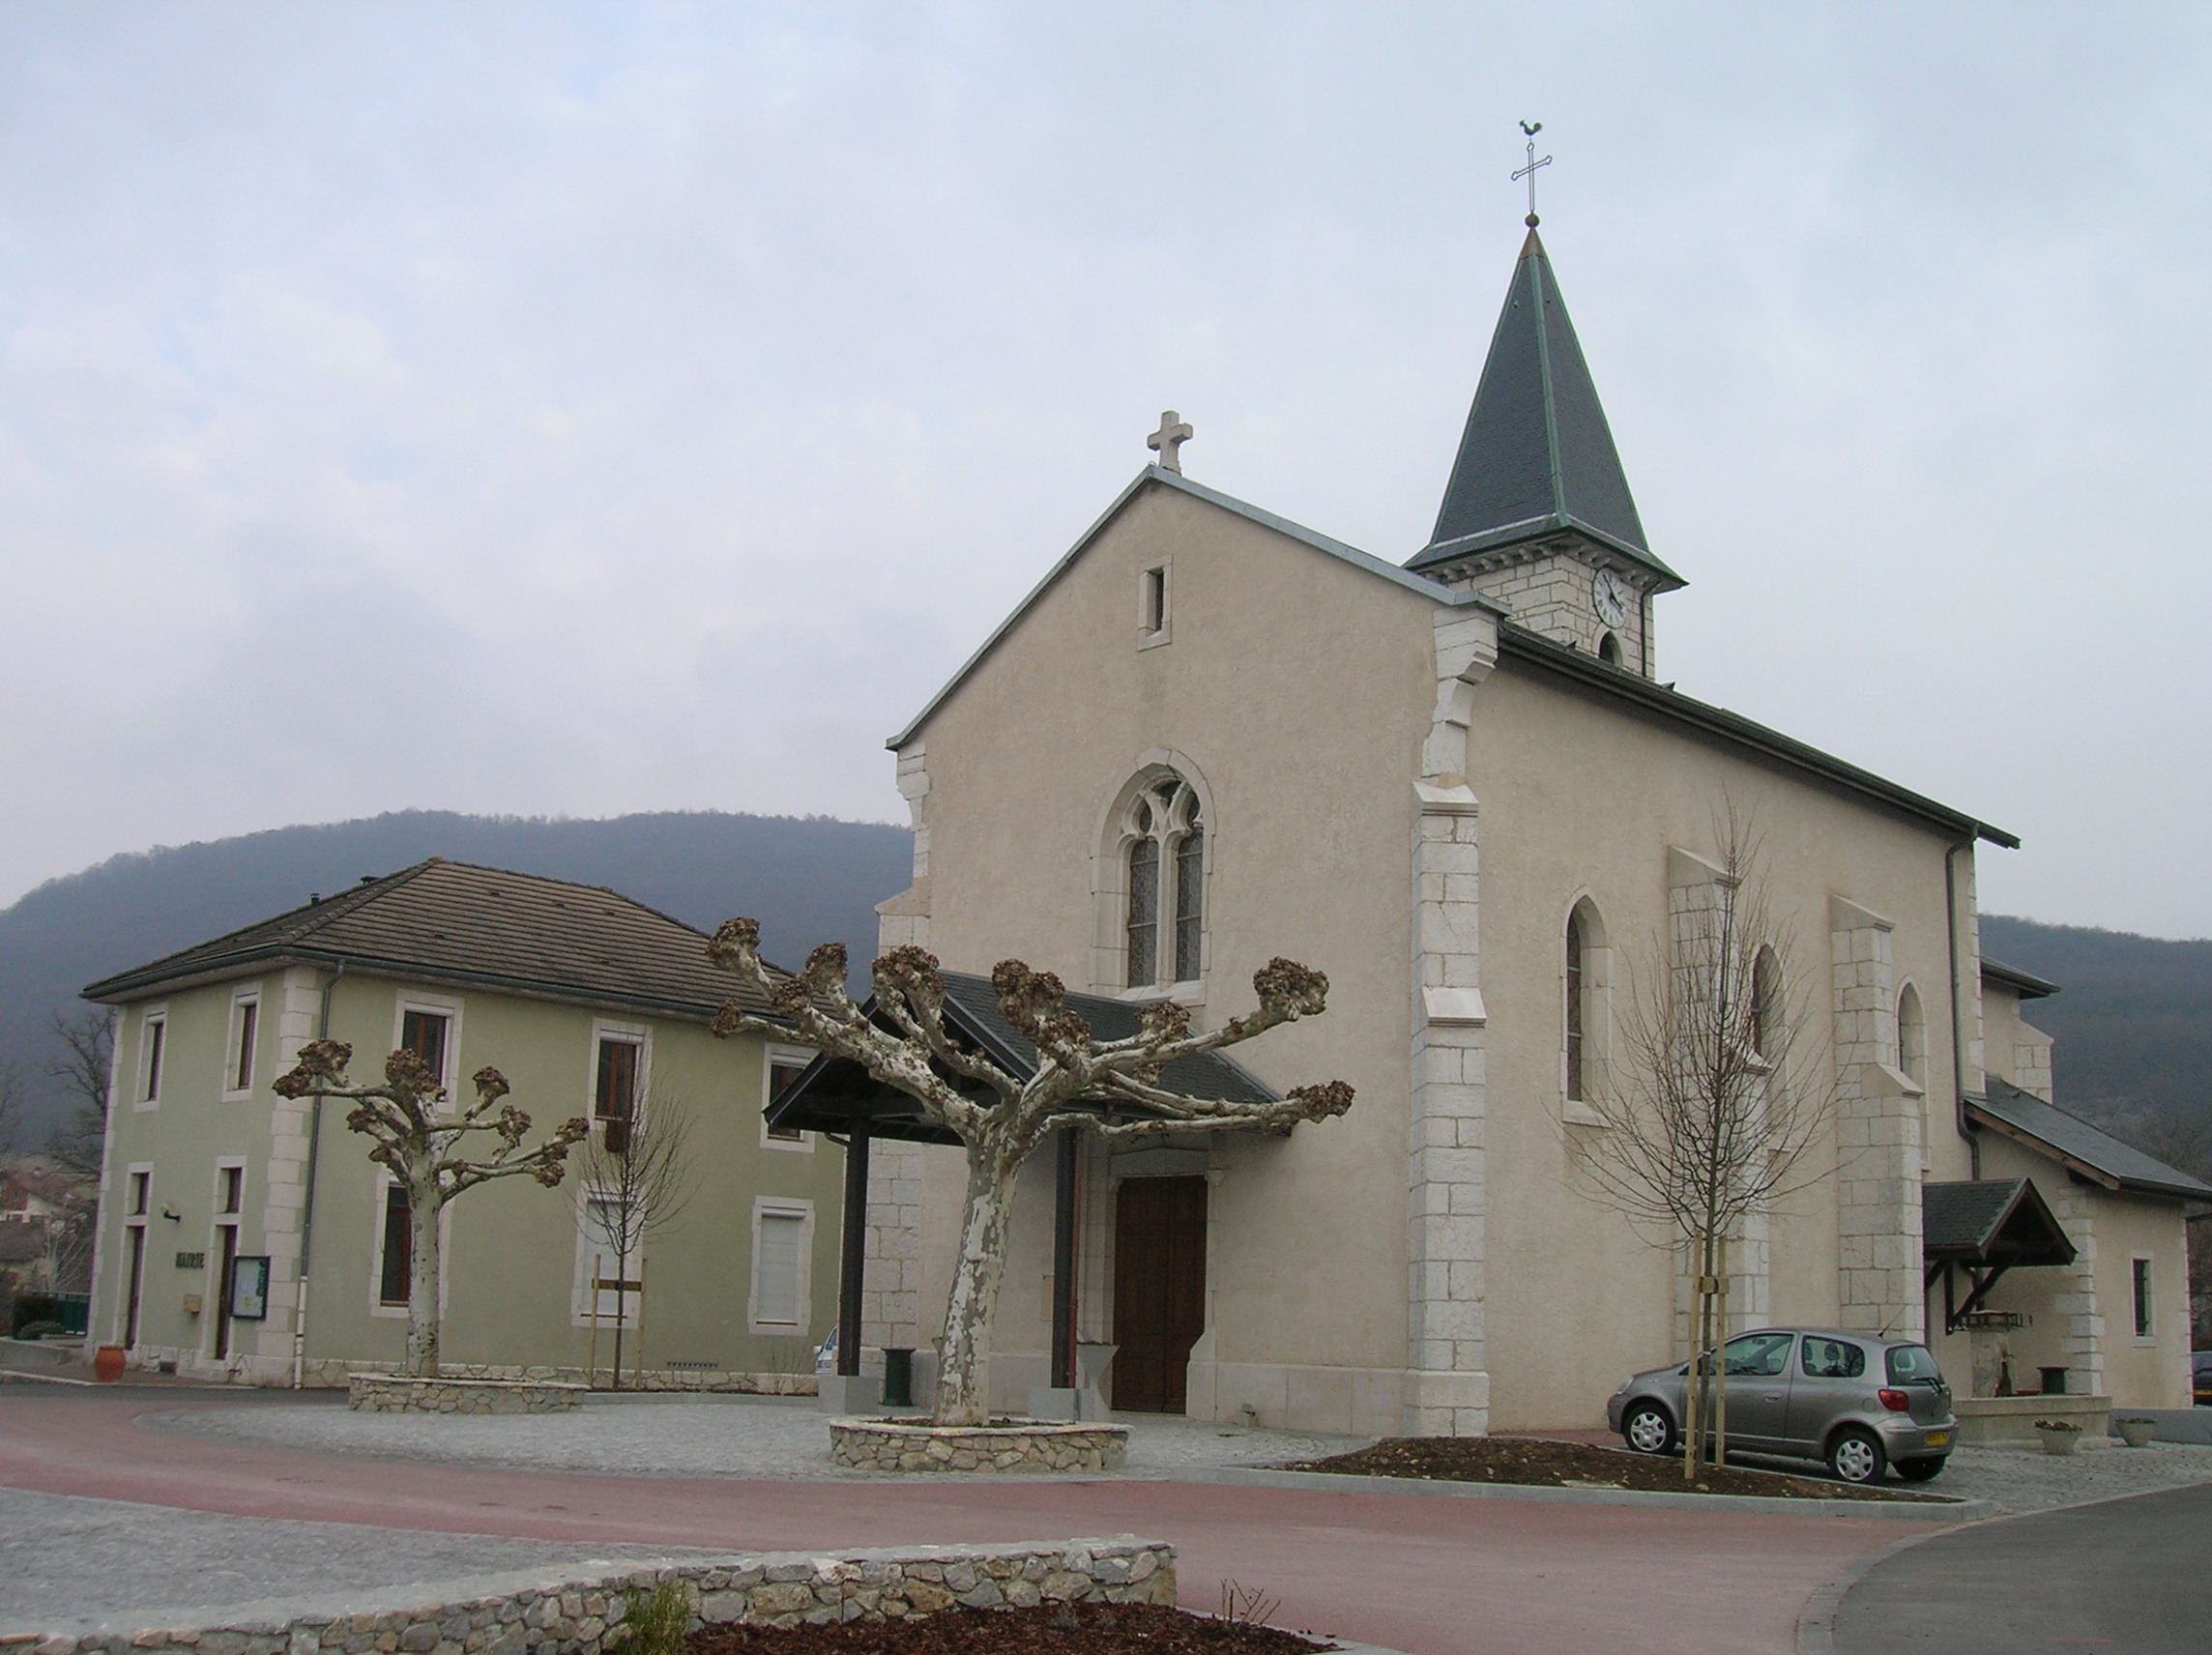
{"x": 1417, "y": 1573}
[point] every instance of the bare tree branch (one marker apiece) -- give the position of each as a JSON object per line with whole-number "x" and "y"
{"x": 920, "y": 1055}
{"x": 421, "y": 1149}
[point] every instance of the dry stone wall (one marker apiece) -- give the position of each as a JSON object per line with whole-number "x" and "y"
{"x": 573, "y": 1612}
{"x": 391, "y": 1393}
{"x": 890, "y": 1445}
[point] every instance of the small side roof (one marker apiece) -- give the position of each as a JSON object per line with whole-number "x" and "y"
{"x": 834, "y": 1094}
{"x": 1157, "y": 475}
{"x": 2081, "y": 1147}
{"x": 1991, "y": 1221}
{"x": 2026, "y": 984}
{"x": 490, "y": 928}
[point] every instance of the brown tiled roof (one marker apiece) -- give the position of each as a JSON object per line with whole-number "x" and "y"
{"x": 452, "y": 922}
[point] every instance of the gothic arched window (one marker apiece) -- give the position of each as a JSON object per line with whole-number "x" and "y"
{"x": 1766, "y": 1036}
{"x": 1912, "y": 1035}
{"x": 1164, "y": 927}
{"x": 1576, "y": 948}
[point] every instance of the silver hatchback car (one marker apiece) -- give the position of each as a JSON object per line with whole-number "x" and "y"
{"x": 1860, "y": 1401}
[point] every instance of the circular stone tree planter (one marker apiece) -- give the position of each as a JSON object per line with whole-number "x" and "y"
{"x": 1010, "y": 1445}
{"x": 398, "y": 1393}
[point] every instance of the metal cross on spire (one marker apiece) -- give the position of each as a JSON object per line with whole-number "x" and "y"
{"x": 1530, "y": 171}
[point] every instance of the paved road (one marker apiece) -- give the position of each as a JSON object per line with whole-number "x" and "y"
{"x": 1427, "y": 1576}
{"x": 2132, "y": 1574}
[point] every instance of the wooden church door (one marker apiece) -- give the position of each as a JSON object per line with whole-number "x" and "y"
{"x": 1159, "y": 1290}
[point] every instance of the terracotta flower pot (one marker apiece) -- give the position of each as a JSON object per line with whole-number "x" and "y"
{"x": 107, "y": 1364}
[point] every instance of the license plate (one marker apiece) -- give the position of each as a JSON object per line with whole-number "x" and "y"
{"x": 1938, "y": 1439}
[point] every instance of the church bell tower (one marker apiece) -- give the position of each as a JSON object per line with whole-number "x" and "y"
{"x": 1537, "y": 513}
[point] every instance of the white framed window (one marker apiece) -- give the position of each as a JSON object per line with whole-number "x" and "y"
{"x": 620, "y": 1078}
{"x": 137, "y": 1209}
{"x": 780, "y": 1066}
{"x": 429, "y": 1027}
{"x": 241, "y": 1046}
{"x": 229, "y": 1204}
{"x": 783, "y": 1252}
{"x": 392, "y": 1257}
{"x": 152, "y": 1057}
{"x": 608, "y": 1277}
{"x": 1156, "y": 593}
{"x": 2145, "y": 1303}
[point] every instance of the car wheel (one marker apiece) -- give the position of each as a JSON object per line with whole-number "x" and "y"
{"x": 1649, "y": 1430}
{"x": 1855, "y": 1455}
{"x": 1921, "y": 1470}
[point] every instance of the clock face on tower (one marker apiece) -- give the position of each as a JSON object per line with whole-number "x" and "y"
{"x": 1611, "y": 593}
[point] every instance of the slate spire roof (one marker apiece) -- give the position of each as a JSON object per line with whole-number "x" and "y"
{"x": 1537, "y": 455}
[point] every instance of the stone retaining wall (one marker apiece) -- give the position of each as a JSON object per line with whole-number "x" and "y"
{"x": 569, "y": 1612}
{"x": 333, "y": 1373}
{"x": 895, "y": 1446}
{"x": 396, "y": 1393}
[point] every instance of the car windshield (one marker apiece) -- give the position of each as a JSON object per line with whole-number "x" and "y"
{"x": 1913, "y": 1365}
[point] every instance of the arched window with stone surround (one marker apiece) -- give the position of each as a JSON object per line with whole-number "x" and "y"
{"x": 1766, "y": 1034}
{"x": 1912, "y": 1035}
{"x": 1583, "y": 1003}
{"x": 1164, "y": 864}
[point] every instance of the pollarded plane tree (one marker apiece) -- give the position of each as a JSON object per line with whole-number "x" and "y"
{"x": 1110, "y": 1089}
{"x": 424, "y": 1149}
{"x": 1710, "y": 1123}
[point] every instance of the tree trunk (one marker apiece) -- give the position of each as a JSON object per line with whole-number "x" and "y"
{"x": 422, "y": 1204}
{"x": 963, "y": 1370}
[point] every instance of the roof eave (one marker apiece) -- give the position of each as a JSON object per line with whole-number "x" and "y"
{"x": 1412, "y": 583}
{"x": 1588, "y": 670}
{"x": 1438, "y": 553}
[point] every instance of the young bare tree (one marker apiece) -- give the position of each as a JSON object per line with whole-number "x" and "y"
{"x": 1708, "y": 1123}
{"x": 637, "y": 1178}
{"x": 422, "y": 1148}
{"x": 83, "y": 1064}
{"x": 1109, "y": 1088}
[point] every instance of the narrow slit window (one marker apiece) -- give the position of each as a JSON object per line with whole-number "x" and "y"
{"x": 2145, "y": 1324}
{"x": 156, "y": 1035}
{"x": 1143, "y": 921}
{"x": 1190, "y": 897}
{"x": 398, "y": 1274}
{"x": 1156, "y": 600}
{"x": 230, "y": 1194}
{"x": 1574, "y": 1008}
{"x": 242, "y": 1060}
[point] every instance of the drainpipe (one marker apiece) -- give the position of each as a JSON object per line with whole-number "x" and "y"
{"x": 308, "y": 1200}
{"x": 1965, "y": 1127}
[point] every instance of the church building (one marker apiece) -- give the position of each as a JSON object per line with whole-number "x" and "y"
{"x": 1456, "y": 784}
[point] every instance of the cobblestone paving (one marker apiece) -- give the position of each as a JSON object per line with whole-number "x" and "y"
{"x": 649, "y": 1438}
{"x": 63, "y": 1557}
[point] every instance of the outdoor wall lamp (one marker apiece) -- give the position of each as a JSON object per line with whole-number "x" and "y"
{"x": 169, "y": 1212}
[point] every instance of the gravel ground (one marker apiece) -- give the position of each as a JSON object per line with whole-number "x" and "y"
{"x": 735, "y": 1436}
{"x": 63, "y": 1557}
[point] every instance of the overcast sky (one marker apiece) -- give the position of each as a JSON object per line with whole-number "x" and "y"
{"x": 587, "y": 409}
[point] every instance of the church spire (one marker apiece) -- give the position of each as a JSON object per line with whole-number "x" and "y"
{"x": 1536, "y": 458}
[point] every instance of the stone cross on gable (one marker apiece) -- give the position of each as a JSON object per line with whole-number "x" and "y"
{"x": 1168, "y": 439}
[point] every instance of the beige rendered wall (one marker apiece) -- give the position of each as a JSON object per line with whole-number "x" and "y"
{"x": 1296, "y": 690}
{"x": 511, "y": 1251}
{"x": 1580, "y": 799}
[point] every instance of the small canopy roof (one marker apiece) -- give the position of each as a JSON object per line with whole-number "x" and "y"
{"x": 2000, "y": 1222}
{"x": 836, "y": 1095}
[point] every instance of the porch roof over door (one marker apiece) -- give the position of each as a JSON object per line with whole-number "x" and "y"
{"x": 836, "y": 1095}
{"x": 2000, "y": 1222}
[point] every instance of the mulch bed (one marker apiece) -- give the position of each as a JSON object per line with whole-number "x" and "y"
{"x": 1051, "y": 1629}
{"x": 1544, "y": 1464}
